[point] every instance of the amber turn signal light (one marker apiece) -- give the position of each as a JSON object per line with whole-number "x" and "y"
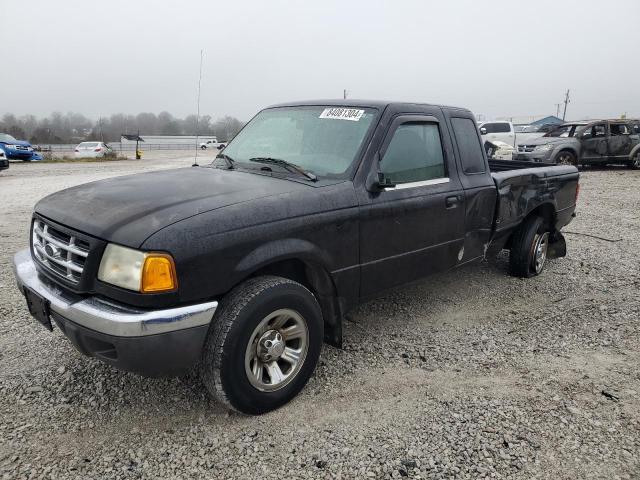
{"x": 158, "y": 274}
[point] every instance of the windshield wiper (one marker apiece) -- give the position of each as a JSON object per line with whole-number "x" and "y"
{"x": 287, "y": 165}
{"x": 230, "y": 161}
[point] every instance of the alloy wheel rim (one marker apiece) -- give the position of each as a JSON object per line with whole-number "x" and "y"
{"x": 540, "y": 248}
{"x": 276, "y": 350}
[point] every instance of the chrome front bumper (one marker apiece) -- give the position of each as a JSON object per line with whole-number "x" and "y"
{"x": 108, "y": 317}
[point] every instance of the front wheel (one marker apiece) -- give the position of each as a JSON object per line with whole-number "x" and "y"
{"x": 635, "y": 162}
{"x": 529, "y": 247}
{"x": 203, "y": 147}
{"x": 263, "y": 345}
{"x": 566, "y": 157}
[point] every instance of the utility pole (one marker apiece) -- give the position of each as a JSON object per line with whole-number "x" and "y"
{"x": 566, "y": 101}
{"x": 344, "y": 94}
{"x": 557, "y": 109}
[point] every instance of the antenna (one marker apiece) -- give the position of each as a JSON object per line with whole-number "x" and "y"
{"x": 195, "y": 160}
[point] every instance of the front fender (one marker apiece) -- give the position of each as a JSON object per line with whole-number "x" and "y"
{"x": 280, "y": 250}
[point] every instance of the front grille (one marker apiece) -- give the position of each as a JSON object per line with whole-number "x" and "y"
{"x": 526, "y": 148}
{"x": 61, "y": 253}
{"x": 22, "y": 147}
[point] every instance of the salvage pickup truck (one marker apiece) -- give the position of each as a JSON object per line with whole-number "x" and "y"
{"x": 242, "y": 267}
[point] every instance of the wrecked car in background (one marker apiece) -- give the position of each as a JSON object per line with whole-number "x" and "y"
{"x": 596, "y": 142}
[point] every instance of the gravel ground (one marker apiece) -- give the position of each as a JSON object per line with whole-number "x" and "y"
{"x": 469, "y": 374}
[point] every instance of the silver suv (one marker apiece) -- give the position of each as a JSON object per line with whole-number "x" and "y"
{"x": 597, "y": 142}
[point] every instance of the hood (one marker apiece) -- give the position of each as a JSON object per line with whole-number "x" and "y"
{"x": 546, "y": 140}
{"x": 129, "y": 209}
{"x": 22, "y": 143}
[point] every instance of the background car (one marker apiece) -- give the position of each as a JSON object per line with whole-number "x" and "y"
{"x": 213, "y": 144}
{"x": 93, "y": 150}
{"x": 4, "y": 161}
{"x": 17, "y": 149}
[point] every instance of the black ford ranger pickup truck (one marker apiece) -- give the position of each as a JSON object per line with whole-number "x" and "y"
{"x": 242, "y": 267}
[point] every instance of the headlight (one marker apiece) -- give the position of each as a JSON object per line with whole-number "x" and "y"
{"x": 544, "y": 148}
{"x": 145, "y": 272}
{"x": 11, "y": 146}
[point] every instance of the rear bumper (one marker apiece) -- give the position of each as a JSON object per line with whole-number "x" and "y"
{"x": 149, "y": 342}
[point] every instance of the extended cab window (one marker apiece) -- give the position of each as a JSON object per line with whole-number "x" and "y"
{"x": 469, "y": 145}
{"x": 414, "y": 154}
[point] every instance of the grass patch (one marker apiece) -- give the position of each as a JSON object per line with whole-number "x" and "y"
{"x": 67, "y": 159}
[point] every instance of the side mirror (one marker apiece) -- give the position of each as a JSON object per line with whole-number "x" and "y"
{"x": 384, "y": 182}
{"x": 376, "y": 181}
{"x": 483, "y": 131}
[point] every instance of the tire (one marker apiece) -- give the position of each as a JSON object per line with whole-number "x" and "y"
{"x": 566, "y": 157}
{"x": 529, "y": 247}
{"x": 634, "y": 164}
{"x": 203, "y": 147}
{"x": 247, "y": 341}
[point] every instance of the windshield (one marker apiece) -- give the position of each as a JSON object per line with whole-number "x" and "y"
{"x": 5, "y": 137}
{"x": 320, "y": 139}
{"x": 564, "y": 131}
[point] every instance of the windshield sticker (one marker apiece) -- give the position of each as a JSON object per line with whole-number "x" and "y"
{"x": 352, "y": 114}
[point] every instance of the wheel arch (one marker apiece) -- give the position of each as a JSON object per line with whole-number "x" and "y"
{"x": 547, "y": 211}
{"x": 302, "y": 262}
{"x": 566, "y": 148}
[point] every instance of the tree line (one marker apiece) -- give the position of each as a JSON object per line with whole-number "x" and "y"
{"x": 75, "y": 127}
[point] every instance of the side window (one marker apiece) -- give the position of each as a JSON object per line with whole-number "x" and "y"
{"x": 599, "y": 130}
{"x": 502, "y": 128}
{"x": 490, "y": 127}
{"x": 619, "y": 129}
{"x": 469, "y": 145}
{"x": 414, "y": 154}
{"x": 636, "y": 128}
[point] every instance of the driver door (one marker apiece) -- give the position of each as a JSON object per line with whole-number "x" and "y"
{"x": 416, "y": 227}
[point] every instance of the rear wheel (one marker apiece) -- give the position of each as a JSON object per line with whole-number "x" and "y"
{"x": 565, "y": 157}
{"x": 263, "y": 346}
{"x": 529, "y": 248}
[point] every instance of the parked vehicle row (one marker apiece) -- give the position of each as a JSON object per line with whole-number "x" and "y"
{"x": 245, "y": 266}
{"x": 596, "y": 142}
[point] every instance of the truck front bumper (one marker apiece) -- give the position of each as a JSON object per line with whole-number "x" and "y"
{"x": 149, "y": 342}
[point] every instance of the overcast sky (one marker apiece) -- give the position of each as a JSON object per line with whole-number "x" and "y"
{"x": 498, "y": 58}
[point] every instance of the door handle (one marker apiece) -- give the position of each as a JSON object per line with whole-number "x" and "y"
{"x": 453, "y": 201}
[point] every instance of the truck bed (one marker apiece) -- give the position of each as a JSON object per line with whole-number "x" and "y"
{"x": 503, "y": 165}
{"x": 523, "y": 187}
